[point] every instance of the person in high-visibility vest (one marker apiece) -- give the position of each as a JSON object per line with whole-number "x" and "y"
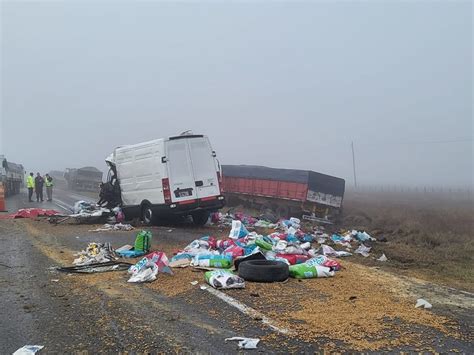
{"x": 30, "y": 184}
{"x": 48, "y": 182}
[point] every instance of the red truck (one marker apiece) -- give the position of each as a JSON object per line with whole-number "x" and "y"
{"x": 287, "y": 192}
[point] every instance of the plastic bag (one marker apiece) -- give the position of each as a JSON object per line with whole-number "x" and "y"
{"x": 146, "y": 274}
{"x": 309, "y": 270}
{"x": 223, "y": 279}
{"x": 28, "y": 350}
{"x": 327, "y": 250}
{"x": 159, "y": 259}
{"x": 143, "y": 241}
{"x": 263, "y": 244}
{"x": 362, "y": 236}
{"x": 234, "y": 251}
{"x": 238, "y": 230}
{"x": 293, "y": 258}
{"x": 224, "y": 244}
{"x": 209, "y": 260}
{"x": 363, "y": 250}
{"x": 325, "y": 261}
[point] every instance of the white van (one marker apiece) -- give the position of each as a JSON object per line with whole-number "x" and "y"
{"x": 165, "y": 177}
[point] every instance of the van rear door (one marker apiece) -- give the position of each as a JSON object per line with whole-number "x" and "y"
{"x": 180, "y": 173}
{"x": 204, "y": 167}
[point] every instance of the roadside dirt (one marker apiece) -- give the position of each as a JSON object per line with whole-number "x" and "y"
{"x": 361, "y": 308}
{"x": 424, "y": 236}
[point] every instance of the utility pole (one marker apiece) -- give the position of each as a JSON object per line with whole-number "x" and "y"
{"x": 354, "y": 165}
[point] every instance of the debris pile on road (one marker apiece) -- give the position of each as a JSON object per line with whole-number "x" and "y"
{"x": 113, "y": 227}
{"x": 95, "y": 253}
{"x": 89, "y": 213}
{"x": 224, "y": 279}
{"x": 141, "y": 247}
{"x": 304, "y": 254}
{"x": 89, "y": 209}
{"x": 96, "y": 267}
{"x": 30, "y": 213}
{"x": 147, "y": 268}
{"x": 225, "y": 220}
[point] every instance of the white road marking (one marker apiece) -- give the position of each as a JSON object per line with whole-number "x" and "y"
{"x": 245, "y": 309}
{"x": 63, "y": 205}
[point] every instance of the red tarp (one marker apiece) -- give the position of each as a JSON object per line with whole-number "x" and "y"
{"x": 30, "y": 213}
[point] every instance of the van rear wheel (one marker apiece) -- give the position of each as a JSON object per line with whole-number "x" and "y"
{"x": 147, "y": 215}
{"x": 200, "y": 217}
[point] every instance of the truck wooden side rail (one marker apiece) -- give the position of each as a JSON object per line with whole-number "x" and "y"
{"x": 287, "y": 192}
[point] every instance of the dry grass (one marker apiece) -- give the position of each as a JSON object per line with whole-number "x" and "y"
{"x": 427, "y": 235}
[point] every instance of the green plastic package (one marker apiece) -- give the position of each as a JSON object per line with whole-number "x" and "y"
{"x": 143, "y": 241}
{"x": 309, "y": 271}
{"x": 263, "y": 244}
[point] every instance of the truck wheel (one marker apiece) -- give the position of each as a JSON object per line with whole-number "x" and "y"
{"x": 200, "y": 218}
{"x": 263, "y": 271}
{"x": 147, "y": 215}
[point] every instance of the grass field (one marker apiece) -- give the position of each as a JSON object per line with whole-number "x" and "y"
{"x": 429, "y": 236}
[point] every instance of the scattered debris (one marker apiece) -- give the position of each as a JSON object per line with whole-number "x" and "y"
{"x": 30, "y": 213}
{"x": 141, "y": 247}
{"x": 54, "y": 280}
{"x": 113, "y": 227}
{"x": 382, "y": 258}
{"x": 223, "y": 279}
{"x": 147, "y": 268}
{"x": 28, "y": 350}
{"x": 245, "y": 343}
{"x": 309, "y": 270}
{"x": 194, "y": 283}
{"x": 96, "y": 267}
{"x": 95, "y": 253}
{"x": 363, "y": 250}
{"x": 420, "y": 302}
{"x": 264, "y": 271}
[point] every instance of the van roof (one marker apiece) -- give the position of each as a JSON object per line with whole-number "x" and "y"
{"x": 158, "y": 140}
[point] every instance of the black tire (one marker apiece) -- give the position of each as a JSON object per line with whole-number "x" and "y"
{"x": 146, "y": 215}
{"x": 264, "y": 271}
{"x": 200, "y": 217}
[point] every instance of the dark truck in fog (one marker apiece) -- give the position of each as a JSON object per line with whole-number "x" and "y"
{"x": 83, "y": 179}
{"x": 287, "y": 192}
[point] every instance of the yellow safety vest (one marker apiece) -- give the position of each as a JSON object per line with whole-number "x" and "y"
{"x": 47, "y": 182}
{"x": 30, "y": 182}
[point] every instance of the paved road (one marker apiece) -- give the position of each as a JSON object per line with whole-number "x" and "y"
{"x": 76, "y": 313}
{"x": 102, "y": 312}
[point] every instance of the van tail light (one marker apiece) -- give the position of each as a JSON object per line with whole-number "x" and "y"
{"x": 219, "y": 179}
{"x": 166, "y": 190}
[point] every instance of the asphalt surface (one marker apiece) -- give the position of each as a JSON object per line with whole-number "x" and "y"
{"x": 97, "y": 313}
{"x": 64, "y": 312}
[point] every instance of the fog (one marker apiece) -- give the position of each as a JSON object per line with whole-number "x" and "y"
{"x": 278, "y": 84}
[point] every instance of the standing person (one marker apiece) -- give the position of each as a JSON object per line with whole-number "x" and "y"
{"x": 30, "y": 184}
{"x": 39, "y": 182}
{"x": 48, "y": 181}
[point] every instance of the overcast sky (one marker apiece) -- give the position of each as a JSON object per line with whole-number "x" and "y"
{"x": 278, "y": 84}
